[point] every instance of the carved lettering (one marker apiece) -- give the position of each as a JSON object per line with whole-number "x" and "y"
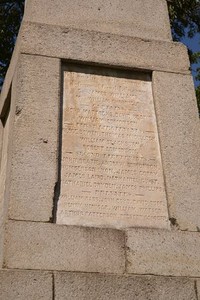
{"x": 111, "y": 171}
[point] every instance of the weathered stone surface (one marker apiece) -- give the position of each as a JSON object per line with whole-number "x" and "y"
{"x": 2, "y": 199}
{"x": 102, "y": 48}
{"x": 147, "y": 19}
{"x": 25, "y": 285}
{"x": 198, "y": 288}
{"x": 7, "y": 115}
{"x": 179, "y": 131}
{"x": 35, "y": 139}
{"x": 107, "y": 287}
{"x": 111, "y": 170}
{"x": 54, "y": 247}
{"x": 5, "y": 129}
{"x": 163, "y": 252}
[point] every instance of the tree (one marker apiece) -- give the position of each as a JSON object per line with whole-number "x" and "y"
{"x": 11, "y": 13}
{"x": 184, "y": 19}
{"x": 185, "y": 22}
{"x": 198, "y": 97}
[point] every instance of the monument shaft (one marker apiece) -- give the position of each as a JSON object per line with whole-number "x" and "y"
{"x": 100, "y": 168}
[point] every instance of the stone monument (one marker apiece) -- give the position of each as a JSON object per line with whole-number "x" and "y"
{"x": 100, "y": 164}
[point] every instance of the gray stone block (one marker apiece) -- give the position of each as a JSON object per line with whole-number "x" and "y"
{"x": 79, "y": 286}
{"x": 162, "y": 252}
{"x": 102, "y": 48}
{"x": 179, "y": 132}
{"x": 146, "y": 19}
{"x": 7, "y": 117}
{"x": 55, "y": 247}
{"x": 35, "y": 138}
{"x": 198, "y": 288}
{"x": 25, "y": 285}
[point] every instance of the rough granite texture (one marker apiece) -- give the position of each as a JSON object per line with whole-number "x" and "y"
{"x": 179, "y": 132}
{"x": 79, "y": 286}
{"x": 103, "y": 48}
{"x": 198, "y": 288}
{"x": 54, "y": 247}
{"x": 114, "y": 34}
{"x": 3, "y": 176}
{"x": 163, "y": 252}
{"x": 130, "y": 18}
{"x": 35, "y": 139}
{"x": 7, "y": 117}
{"x": 25, "y": 285}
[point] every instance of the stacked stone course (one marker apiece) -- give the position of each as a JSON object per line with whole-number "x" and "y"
{"x": 43, "y": 260}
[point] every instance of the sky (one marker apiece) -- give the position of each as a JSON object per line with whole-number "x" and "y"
{"x": 193, "y": 44}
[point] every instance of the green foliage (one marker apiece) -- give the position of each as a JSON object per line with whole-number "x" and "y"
{"x": 198, "y": 97}
{"x": 185, "y": 22}
{"x": 184, "y": 14}
{"x": 10, "y": 18}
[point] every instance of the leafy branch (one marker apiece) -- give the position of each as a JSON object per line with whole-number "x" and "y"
{"x": 185, "y": 22}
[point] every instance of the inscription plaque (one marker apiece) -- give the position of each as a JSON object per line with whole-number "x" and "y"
{"x": 111, "y": 171}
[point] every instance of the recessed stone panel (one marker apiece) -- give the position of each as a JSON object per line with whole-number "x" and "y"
{"x": 111, "y": 171}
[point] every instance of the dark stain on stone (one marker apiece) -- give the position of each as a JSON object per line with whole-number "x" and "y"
{"x": 174, "y": 222}
{"x": 45, "y": 141}
{"x": 18, "y": 110}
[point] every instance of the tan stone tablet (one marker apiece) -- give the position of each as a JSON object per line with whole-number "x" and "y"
{"x": 111, "y": 170}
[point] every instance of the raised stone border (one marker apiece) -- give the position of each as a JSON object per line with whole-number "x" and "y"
{"x": 180, "y": 160}
{"x": 179, "y": 132}
{"x": 35, "y": 138}
{"x": 103, "y": 48}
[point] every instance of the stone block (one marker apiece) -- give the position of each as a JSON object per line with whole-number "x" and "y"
{"x": 55, "y": 247}
{"x": 80, "y": 286}
{"x": 179, "y": 131}
{"x": 163, "y": 252}
{"x": 7, "y": 117}
{"x": 147, "y": 19}
{"x": 35, "y": 138}
{"x": 3, "y": 176}
{"x": 198, "y": 288}
{"x": 96, "y": 47}
{"x": 25, "y": 285}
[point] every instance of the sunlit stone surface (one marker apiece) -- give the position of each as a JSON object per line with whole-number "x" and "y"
{"x": 111, "y": 171}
